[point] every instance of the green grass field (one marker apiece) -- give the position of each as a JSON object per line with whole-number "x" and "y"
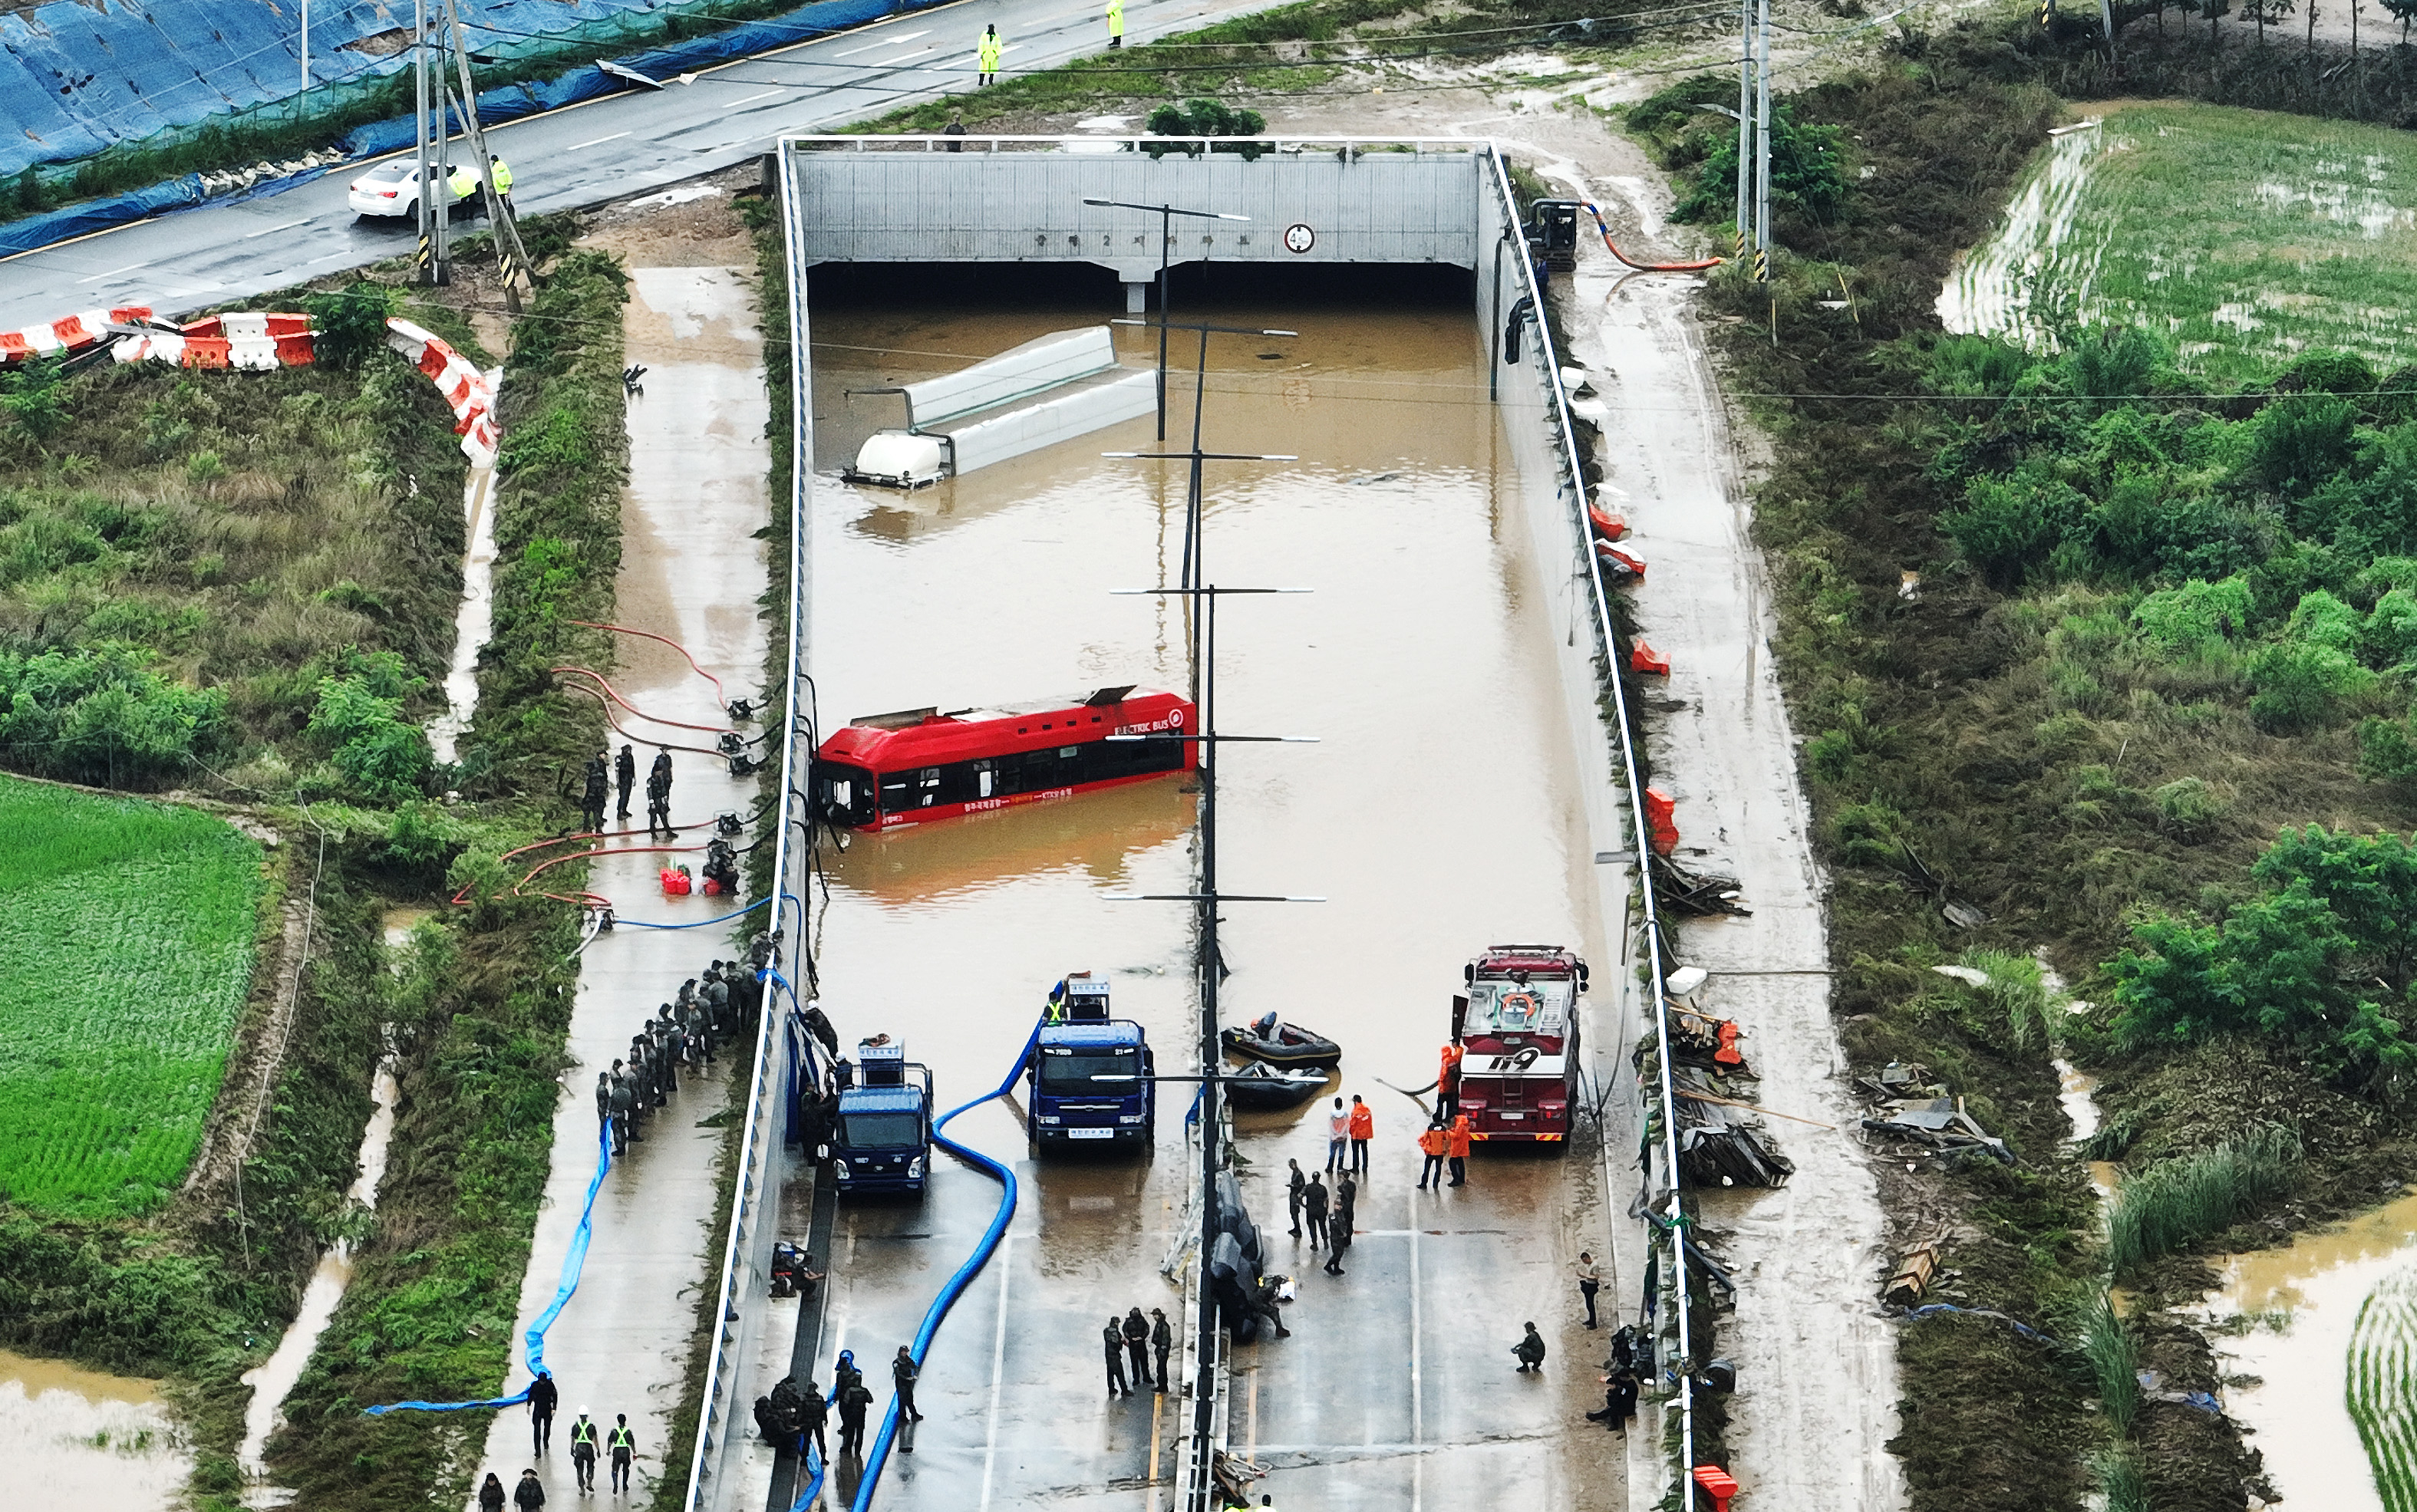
{"x": 126, "y": 947}
{"x": 2243, "y": 237}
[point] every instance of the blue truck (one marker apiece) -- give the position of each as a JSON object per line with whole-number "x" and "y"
{"x": 881, "y": 1140}
{"x": 1091, "y": 1078}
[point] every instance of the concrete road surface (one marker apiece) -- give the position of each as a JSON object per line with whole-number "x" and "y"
{"x": 692, "y": 571}
{"x": 579, "y": 156}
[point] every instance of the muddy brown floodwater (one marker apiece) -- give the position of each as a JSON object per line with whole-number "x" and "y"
{"x": 2298, "y": 1305}
{"x": 78, "y": 1438}
{"x": 1436, "y": 815}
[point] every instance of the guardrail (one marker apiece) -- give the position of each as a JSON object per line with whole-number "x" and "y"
{"x": 755, "y": 1201}
{"x": 1087, "y": 142}
{"x": 1573, "y": 484}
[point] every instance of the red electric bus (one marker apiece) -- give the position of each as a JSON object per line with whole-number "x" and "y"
{"x": 904, "y": 768}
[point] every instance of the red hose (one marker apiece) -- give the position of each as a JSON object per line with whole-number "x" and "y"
{"x": 1649, "y": 268}
{"x": 652, "y": 718}
{"x": 624, "y": 629}
{"x": 606, "y": 699}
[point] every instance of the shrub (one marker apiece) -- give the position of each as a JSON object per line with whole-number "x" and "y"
{"x": 2299, "y": 686}
{"x": 2188, "y": 805}
{"x": 1808, "y": 175}
{"x": 2177, "y": 1202}
{"x": 351, "y": 322}
{"x": 2195, "y": 616}
{"x": 101, "y": 715}
{"x": 383, "y": 757}
{"x": 2008, "y": 525}
{"x": 2297, "y": 443}
{"x": 29, "y": 394}
{"x": 2389, "y": 637}
{"x": 1209, "y": 118}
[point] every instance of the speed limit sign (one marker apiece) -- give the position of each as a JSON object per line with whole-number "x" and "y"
{"x": 1299, "y": 238}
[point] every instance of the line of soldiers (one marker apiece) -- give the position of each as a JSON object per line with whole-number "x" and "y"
{"x": 687, "y": 1031}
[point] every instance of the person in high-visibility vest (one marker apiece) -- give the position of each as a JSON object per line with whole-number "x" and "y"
{"x": 1432, "y": 1144}
{"x": 1457, "y": 1142}
{"x": 582, "y": 1452}
{"x": 991, "y": 48}
{"x": 463, "y": 183}
{"x": 1448, "y": 1081}
{"x": 1115, "y": 23}
{"x": 502, "y": 172}
{"x": 622, "y": 1444}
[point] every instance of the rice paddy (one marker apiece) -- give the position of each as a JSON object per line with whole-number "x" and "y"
{"x": 127, "y": 937}
{"x": 2382, "y": 1367}
{"x": 2244, "y": 237}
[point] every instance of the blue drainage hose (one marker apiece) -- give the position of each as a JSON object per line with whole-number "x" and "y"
{"x": 535, "y": 1339}
{"x": 815, "y": 1468}
{"x": 965, "y": 1273}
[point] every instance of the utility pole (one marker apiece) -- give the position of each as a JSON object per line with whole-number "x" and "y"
{"x": 430, "y": 259}
{"x": 510, "y": 254}
{"x": 1201, "y": 598}
{"x": 306, "y": 48}
{"x": 1166, "y": 214}
{"x": 1745, "y": 126}
{"x": 1761, "y": 172}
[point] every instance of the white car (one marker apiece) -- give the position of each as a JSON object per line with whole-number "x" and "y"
{"x": 392, "y": 189}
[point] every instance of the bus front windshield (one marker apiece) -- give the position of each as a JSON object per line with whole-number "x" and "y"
{"x": 1068, "y": 1073}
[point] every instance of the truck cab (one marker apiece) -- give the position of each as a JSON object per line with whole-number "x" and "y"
{"x": 1518, "y": 1027}
{"x": 881, "y": 1140}
{"x": 1091, "y": 1076}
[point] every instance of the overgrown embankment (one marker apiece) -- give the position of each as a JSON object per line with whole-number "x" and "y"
{"x": 224, "y": 582}
{"x": 485, "y": 1002}
{"x": 2074, "y": 637}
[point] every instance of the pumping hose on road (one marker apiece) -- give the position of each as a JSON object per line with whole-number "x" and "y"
{"x": 572, "y": 1263}
{"x": 956, "y": 1284}
{"x": 1647, "y": 267}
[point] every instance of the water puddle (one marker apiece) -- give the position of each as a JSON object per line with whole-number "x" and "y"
{"x": 1994, "y": 290}
{"x": 475, "y": 618}
{"x": 2299, "y": 1307}
{"x": 271, "y": 1382}
{"x": 396, "y": 925}
{"x": 88, "y": 1440}
{"x": 2077, "y": 1091}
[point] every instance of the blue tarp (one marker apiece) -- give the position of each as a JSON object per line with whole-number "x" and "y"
{"x": 49, "y": 50}
{"x": 98, "y": 215}
{"x": 77, "y": 78}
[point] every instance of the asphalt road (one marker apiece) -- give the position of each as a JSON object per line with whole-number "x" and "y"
{"x": 581, "y": 156}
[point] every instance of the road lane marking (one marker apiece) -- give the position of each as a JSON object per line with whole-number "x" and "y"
{"x": 1417, "y": 1381}
{"x": 112, "y": 273}
{"x": 997, "y": 1369}
{"x": 887, "y": 42}
{"x": 274, "y": 230}
{"x": 597, "y": 142}
{"x": 1250, "y": 1444}
{"x": 753, "y": 99}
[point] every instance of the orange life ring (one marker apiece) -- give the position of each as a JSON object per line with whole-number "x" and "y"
{"x": 1528, "y": 998}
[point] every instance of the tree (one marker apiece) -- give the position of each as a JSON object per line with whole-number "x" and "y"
{"x": 1807, "y": 172}
{"x": 351, "y": 322}
{"x": 2403, "y": 11}
{"x": 2266, "y": 13}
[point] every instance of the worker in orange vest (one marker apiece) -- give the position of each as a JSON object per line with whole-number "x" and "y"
{"x": 1448, "y": 1081}
{"x": 1459, "y": 1146}
{"x": 1431, "y": 1144}
{"x": 1363, "y": 1128}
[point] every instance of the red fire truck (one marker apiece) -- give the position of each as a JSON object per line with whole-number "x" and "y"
{"x": 1518, "y": 1029}
{"x": 891, "y": 769}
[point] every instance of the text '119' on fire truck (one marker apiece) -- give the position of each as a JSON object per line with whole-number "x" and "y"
{"x": 1518, "y": 1030}
{"x": 891, "y": 769}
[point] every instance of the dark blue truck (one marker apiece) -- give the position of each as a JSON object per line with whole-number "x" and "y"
{"x": 1092, "y": 1077}
{"x": 882, "y": 1142}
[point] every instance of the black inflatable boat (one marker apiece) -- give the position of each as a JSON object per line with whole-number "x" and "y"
{"x": 1281, "y": 1044}
{"x": 1261, "y": 1086}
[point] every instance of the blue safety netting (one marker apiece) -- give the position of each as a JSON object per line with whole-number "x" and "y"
{"x": 78, "y": 77}
{"x": 533, "y": 1340}
{"x": 98, "y": 215}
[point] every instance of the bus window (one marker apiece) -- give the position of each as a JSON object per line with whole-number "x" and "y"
{"x": 846, "y": 793}
{"x": 929, "y": 781}
{"x": 982, "y": 779}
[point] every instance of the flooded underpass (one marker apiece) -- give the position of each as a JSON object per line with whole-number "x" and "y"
{"x": 1438, "y": 814}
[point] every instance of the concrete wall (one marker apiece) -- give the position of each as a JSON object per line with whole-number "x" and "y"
{"x": 1020, "y": 200}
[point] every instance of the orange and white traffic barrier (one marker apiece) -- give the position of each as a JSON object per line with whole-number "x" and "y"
{"x": 1642, "y": 658}
{"x": 470, "y": 392}
{"x": 1620, "y": 560}
{"x": 256, "y": 341}
{"x": 72, "y": 334}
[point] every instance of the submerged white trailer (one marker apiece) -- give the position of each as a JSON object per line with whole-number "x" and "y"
{"x": 1051, "y": 388}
